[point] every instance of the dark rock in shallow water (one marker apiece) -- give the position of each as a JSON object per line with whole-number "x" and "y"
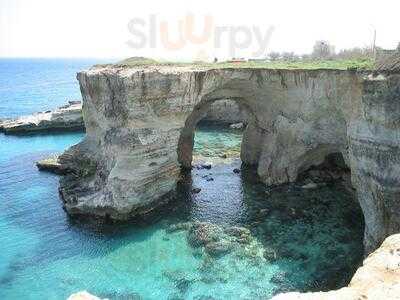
{"x": 178, "y": 227}
{"x": 244, "y": 239}
{"x": 196, "y": 190}
{"x": 279, "y": 278}
{"x": 270, "y": 255}
{"x": 236, "y": 171}
{"x": 202, "y": 233}
{"x": 175, "y": 297}
{"x": 203, "y": 297}
{"x": 206, "y": 166}
{"x": 183, "y": 285}
{"x": 217, "y": 249}
{"x": 237, "y": 231}
{"x": 180, "y": 279}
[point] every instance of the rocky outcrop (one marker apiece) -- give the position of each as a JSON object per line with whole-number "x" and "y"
{"x": 53, "y": 165}
{"x": 67, "y": 117}
{"x": 140, "y": 125}
{"x": 225, "y": 112}
{"x": 377, "y": 279}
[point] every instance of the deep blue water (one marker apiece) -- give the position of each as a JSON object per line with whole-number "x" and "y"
{"x": 32, "y": 85}
{"x": 315, "y": 236}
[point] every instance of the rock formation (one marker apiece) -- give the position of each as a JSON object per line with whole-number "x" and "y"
{"x": 377, "y": 279}
{"x": 226, "y": 112}
{"x": 53, "y": 165}
{"x": 140, "y": 125}
{"x": 67, "y": 117}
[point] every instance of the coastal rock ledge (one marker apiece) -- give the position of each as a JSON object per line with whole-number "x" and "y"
{"x": 140, "y": 124}
{"x": 67, "y": 117}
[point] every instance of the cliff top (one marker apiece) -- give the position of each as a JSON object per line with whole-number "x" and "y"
{"x": 146, "y": 63}
{"x": 390, "y": 63}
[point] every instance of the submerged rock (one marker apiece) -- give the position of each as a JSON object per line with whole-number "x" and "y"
{"x": 270, "y": 255}
{"x": 181, "y": 280}
{"x": 67, "y": 117}
{"x": 236, "y": 171}
{"x": 237, "y": 231}
{"x": 377, "y": 279}
{"x": 217, "y": 249}
{"x": 196, "y": 190}
{"x": 206, "y": 166}
{"x": 179, "y": 227}
{"x": 203, "y": 233}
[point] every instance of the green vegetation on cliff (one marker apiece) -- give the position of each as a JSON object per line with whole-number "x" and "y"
{"x": 306, "y": 64}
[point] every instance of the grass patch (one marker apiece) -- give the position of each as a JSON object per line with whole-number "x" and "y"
{"x": 353, "y": 64}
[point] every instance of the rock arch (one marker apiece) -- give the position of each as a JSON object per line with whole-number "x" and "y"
{"x": 138, "y": 120}
{"x": 186, "y": 138}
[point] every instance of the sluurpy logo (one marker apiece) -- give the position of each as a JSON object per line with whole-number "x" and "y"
{"x": 154, "y": 33}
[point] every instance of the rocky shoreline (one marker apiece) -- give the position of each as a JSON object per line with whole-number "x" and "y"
{"x": 65, "y": 118}
{"x": 69, "y": 118}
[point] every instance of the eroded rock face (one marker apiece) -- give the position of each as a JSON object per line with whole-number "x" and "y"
{"x": 67, "y": 117}
{"x": 140, "y": 125}
{"x": 226, "y": 112}
{"x": 377, "y": 279}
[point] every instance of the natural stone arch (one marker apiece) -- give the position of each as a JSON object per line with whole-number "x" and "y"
{"x": 186, "y": 138}
{"x": 135, "y": 116}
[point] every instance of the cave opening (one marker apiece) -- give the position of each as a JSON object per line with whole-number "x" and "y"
{"x": 212, "y": 163}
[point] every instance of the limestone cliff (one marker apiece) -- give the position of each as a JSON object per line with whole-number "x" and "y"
{"x": 140, "y": 125}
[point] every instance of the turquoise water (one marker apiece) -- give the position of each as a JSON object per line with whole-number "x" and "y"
{"x": 297, "y": 239}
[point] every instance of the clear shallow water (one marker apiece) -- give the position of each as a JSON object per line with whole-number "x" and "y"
{"x": 314, "y": 236}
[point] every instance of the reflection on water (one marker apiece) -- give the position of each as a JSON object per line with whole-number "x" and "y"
{"x": 284, "y": 239}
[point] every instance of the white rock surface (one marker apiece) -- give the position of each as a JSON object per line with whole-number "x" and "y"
{"x": 239, "y": 125}
{"x": 310, "y": 186}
